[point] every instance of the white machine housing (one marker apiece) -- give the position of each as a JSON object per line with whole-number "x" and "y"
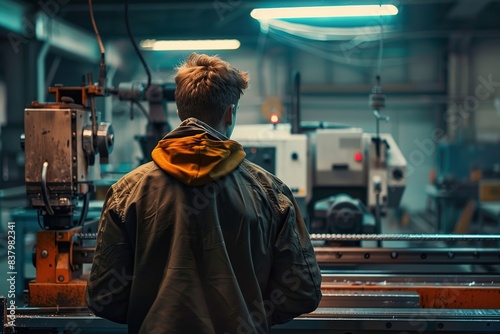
{"x": 335, "y": 152}
{"x": 280, "y": 152}
{"x": 330, "y": 160}
{"x": 353, "y": 162}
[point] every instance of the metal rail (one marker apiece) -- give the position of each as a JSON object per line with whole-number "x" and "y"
{"x": 470, "y": 279}
{"x": 353, "y": 255}
{"x": 328, "y": 320}
{"x": 405, "y": 237}
{"x": 87, "y": 236}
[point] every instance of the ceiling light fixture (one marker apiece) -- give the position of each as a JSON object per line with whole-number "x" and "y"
{"x": 263, "y": 14}
{"x": 191, "y": 45}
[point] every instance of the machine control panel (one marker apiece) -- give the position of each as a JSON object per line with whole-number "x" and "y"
{"x": 262, "y": 156}
{"x": 278, "y": 151}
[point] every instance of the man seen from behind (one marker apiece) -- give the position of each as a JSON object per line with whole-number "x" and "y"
{"x": 200, "y": 240}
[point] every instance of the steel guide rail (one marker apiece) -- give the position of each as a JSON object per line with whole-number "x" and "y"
{"x": 390, "y": 320}
{"x": 87, "y": 236}
{"x": 336, "y": 255}
{"x": 404, "y": 237}
{"x": 327, "y": 320}
{"x": 340, "y": 277}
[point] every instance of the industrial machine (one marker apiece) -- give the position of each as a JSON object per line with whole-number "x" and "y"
{"x": 343, "y": 179}
{"x": 359, "y": 167}
{"x": 65, "y": 142}
{"x": 303, "y": 162}
{"x": 64, "y": 145}
{"x": 156, "y": 95}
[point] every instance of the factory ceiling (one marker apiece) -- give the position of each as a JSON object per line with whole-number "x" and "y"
{"x": 231, "y": 18}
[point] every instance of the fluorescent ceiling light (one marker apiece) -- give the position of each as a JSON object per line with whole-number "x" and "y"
{"x": 322, "y": 11}
{"x": 207, "y": 44}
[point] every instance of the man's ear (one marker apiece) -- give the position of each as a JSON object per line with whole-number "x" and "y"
{"x": 229, "y": 115}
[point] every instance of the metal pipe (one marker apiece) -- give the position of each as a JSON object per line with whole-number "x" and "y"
{"x": 40, "y": 63}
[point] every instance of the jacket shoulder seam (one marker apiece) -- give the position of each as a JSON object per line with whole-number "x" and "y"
{"x": 248, "y": 167}
{"x": 124, "y": 188}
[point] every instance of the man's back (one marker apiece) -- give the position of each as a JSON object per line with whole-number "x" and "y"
{"x": 228, "y": 254}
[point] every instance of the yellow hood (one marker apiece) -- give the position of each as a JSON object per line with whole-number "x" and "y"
{"x": 197, "y": 159}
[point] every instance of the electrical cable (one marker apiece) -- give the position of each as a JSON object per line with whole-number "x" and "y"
{"x": 101, "y": 46}
{"x": 381, "y": 49}
{"x": 45, "y": 190}
{"x": 136, "y": 48}
{"x": 38, "y": 214}
{"x": 102, "y": 74}
{"x": 328, "y": 54}
{"x": 381, "y": 45}
{"x": 85, "y": 209}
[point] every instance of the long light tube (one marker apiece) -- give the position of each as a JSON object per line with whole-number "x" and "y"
{"x": 262, "y": 14}
{"x": 175, "y": 45}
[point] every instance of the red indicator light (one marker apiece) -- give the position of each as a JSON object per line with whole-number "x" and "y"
{"x": 358, "y": 157}
{"x": 274, "y": 119}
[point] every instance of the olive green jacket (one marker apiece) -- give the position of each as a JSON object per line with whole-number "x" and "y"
{"x": 201, "y": 240}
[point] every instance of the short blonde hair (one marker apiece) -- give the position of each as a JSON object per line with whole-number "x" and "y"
{"x": 206, "y": 86}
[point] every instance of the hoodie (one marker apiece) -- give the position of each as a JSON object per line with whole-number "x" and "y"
{"x": 200, "y": 240}
{"x": 197, "y": 156}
